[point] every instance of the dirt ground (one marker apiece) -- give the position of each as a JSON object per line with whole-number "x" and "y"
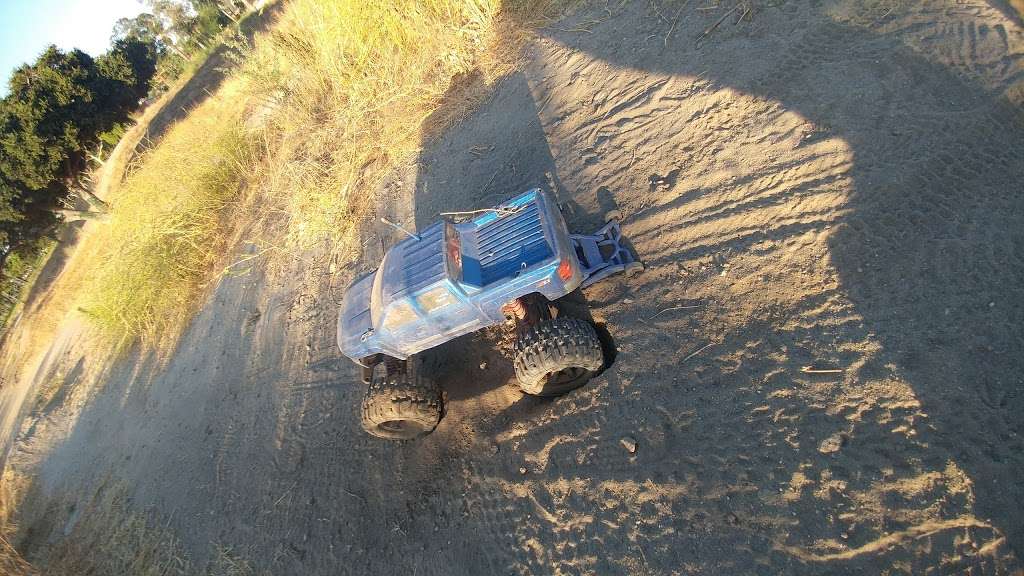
{"x": 824, "y": 185}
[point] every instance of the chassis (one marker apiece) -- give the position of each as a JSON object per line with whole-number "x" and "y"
{"x": 502, "y": 267}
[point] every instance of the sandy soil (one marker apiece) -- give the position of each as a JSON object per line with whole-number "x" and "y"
{"x": 834, "y": 185}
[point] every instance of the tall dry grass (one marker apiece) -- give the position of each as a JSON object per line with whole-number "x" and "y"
{"x": 167, "y": 226}
{"x": 14, "y": 489}
{"x": 100, "y": 534}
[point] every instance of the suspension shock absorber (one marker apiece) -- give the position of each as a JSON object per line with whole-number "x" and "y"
{"x": 515, "y": 310}
{"x": 527, "y": 311}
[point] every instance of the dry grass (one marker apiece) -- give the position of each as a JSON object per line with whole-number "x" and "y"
{"x": 14, "y": 488}
{"x": 354, "y": 84}
{"x": 167, "y": 228}
{"x": 110, "y": 538}
{"x": 104, "y": 535}
{"x": 11, "y": 563}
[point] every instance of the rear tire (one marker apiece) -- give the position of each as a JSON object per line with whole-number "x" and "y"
{"x": 401, "y": 405}
{"x": 556, "y": 356}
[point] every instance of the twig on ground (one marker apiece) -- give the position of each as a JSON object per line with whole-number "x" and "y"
{"x": 654, "y": 6}
{"x": 479, "y": 151}
{"x": 711, "y": 28}
{"x": 671, "y": 308}
{"x": 353, "y": 494}
{"x": 742, "y": 16}
{"x": 488, "y": 185}
{"x": 698, "y": 351}
{"x": 647, "y": 567}
{"x": 675, "y": 21}
{"x": 813, "y": 370}
{"x": 286, "y": 492}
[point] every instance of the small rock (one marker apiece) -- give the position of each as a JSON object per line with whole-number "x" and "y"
{"x": 832, "y": 444}
{"x": 627, "y": 300}
{"x": 483, "y": 365}
{"x": 991, "y": 304}
{"x": 522, "y": 470}
{"x": 629, "y": 444}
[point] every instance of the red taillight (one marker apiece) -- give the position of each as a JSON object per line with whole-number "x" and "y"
{"x": 565, "y": 270}
{"x": 453, "y": 245}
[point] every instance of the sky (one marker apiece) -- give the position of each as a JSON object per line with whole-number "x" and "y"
{"x": 27, "y": 27}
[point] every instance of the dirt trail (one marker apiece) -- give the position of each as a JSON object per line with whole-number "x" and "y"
{"x": 835, "y": 186}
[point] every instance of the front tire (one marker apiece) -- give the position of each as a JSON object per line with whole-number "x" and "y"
{"x": 400, "y": 404}
{"x": 556, "y": 356}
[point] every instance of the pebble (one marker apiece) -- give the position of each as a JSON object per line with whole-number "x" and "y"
{"x": 483, "y": 365}
{"x": 522, "y": 470}
{"x": 629, "y": 444}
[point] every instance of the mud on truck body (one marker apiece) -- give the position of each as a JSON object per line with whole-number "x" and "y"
{"x": 503, "y": 267}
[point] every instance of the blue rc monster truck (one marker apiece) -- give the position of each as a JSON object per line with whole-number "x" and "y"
{"x": 504, "y": 266}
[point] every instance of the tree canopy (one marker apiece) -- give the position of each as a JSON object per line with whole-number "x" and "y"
{"x": 56, "y": 110}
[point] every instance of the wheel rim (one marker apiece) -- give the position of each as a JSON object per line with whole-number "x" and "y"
{"x": 395, "y": 426}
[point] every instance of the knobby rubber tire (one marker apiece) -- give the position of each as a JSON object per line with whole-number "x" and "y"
{"x": 552, "y": 346}
{"x": 401, "y": 406}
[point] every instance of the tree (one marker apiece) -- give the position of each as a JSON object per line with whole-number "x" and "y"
{"x": 58, "y": 107}
{"x": 56, "y": 110}
{"x": 129, "y": 65}
{"x": 145, "y": 27}
{"x": 49, "y": 106}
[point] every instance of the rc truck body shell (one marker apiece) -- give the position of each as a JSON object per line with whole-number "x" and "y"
{"x": 452, "y": 279}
